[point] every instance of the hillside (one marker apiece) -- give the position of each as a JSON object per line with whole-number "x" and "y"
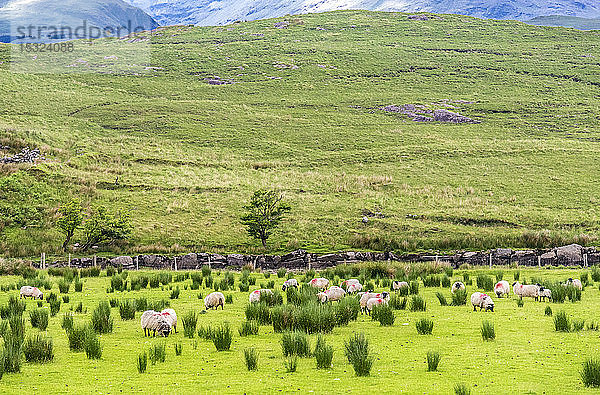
{"x": 567, "y": 21}
{"x": 207, "y": 12}
{"x": 302, "y": 106}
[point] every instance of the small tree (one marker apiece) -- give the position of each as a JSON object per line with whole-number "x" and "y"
{"x": 264, "y": 214}
{"x": 101, "y": 227}
{"x": 71, "y": 217}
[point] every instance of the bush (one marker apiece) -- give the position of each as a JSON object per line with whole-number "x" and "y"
{"x": 459, "y": 298}
{"x": 63, "y": 286}
{"x": 14, "y": 307}
{"x": 251, "y": 358}
{"x": 432, "y": 281}
{"x": 442, "y": 299}
{"x": 384, "y": 314}
{"x": 281, "y": 273}
{"x": 291, "y": 363}
{"x": 590, "y": 374}
{"x": 323, "y": 353}
{"x": 158, "y": 353}
{"x": 398, "y": 303}
{"x": 357, "y": 351}
{"x": 417, "y": 303}
{"x": 485, "y": 282}
{"x": 488, "y": 331}
{"x": 424, "y": 326}
{"x": 127, "y": 309}
{"x": 142, "y": 362}
{"x": 222, "y": 337}
{"x": 110, "y": 271}
{"x": 116, "y": 283}
{"x": 67, "y": 322}
{"x": 520, "y": 302}
{"x": 573, "y": 293}
{"x": 315, "y": 317}
{"x": 178, "y": 349}
{"x": 559, "y": 292}
{"x": 433, "y": 360}
{"x": 54, "y": 307}
{"x": 13, "y": 345}
{"x": 562, "y": 323}
{"x": 79, "y": 308}
{"x": 39, "y": 319}
{"x": 102, "y": 322}
{"x": 585, "y": 279}
{"x": 595, "y": 273}
{"x": 92, "y": 346}
{"x": 548, "y": 311}
{"x": 295, "y": 343}
{"x": 259, "y": 312}
{"x": 414, "y": 287}
{"x": 462, "y": 389}
{"x": 190, "y": 322}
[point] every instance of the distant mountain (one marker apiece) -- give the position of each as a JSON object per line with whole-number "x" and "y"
{"x": 220, "y": 12}
{"x": 566, "y": 21}
{"x": 17, "y": 16}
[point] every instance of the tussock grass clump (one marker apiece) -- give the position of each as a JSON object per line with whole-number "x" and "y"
{"x": 562, "y": 323}
{"x": 499, "y": 275}
{"x": 205, "y": 332}
{"x": 222, "y": 337}
{"x": 442, "y": 299}
{"x": 573, "y": 293}
{"x": 595, "y": 273}
{"x": 67, "y": 322}
{"x": 323, "y": 353}
{"x": 63, "y": 286}
{"x": 517, "y": 275}
{"x": 13, "y": 346}
{"x": 66, "y": 298}
{"x": 251, "y": 359}
{"x": 55, "y": 307}
{"x": 113, "y": 302}
{"x": 259, "y": 312}
{"x": 432, "y": 281}
{"x": 78, "y": 285}
{"x": 102, "y": 322}
{"x": 548, "y": 311}
{"x": 488, "y": 331}
{"x": 346, "y": 310}
{"x": 116, "y": 283}
{"x": 79, "y": 308}
{"x": 459, "y": 298}
{"x": 92, "y": 346}
{"x": 282, "y": 272}
{"x": 39, "y": 318}
{"x": 142, "y": 362}
{"x": 433, "y": 360}
{"x": 461, "y": 389}
{"x": 175, "y": 293}
{"x": 384, "y": 314}
{"x": 190, "y": 322}
{"x": 127, "y": 309}
{"x": 398, "y": 303}
{"x": 110, "y": 271}
{"x": 414, "y": 287}
{"x": 291, "y": 363}
{"x": 229, "y": 299}
{"x": 417, "y": 303}
{"x": 158, "y": 353}
{"x": 520, "y": 302}
{"x": 141, "y": 304}
{"x": 485, "y": 282}
{"x": 590, "y": 373}
{"x": 424, "y": 326}
{"x": 578, "y": 325}
{"x": 446, "y": 281}
{"x": 585, "y": 279}
{"x": 249, "y": 328}
{"x": 244, "y": 286}
{"x": 358, "y": 352}
{"x": 14, "y": 307}
{"x": 295, "y": 343}
{"x": 178, "y": 349}
{"x": 77, "y": 336}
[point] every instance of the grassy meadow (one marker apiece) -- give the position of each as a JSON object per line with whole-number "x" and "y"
{"x": 303, "y": 116}
{"x": 527, "y": 355}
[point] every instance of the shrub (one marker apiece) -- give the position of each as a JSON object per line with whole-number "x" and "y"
{"x": 142, "y": 362}
{"x": 92, "y": 346}
{"x": 116, "y": 283}
{"x": 295, "y": 343}
{"x": 13, "y": 345}
{"x": 585, "y": 279}
{"x": 424, "y": 326}
{"x": 433, "y": 360}
{"x": 459, "y": 298}
{"x": 178, "y": 349}
{"x": 291, "y": 363}
{"x": 14, "y": 307}
{"x": 488, "y": 331}
{"x": 398, "y": 303}
{"x": 127, "y": 309}
{"x": 102, "y": 322}
{"x": 462, "y": 389}
{"x": 590, "y": 374}
{"x": 357, "y": 351}
{"x": 485, "y": 282}
{"x": 323, "y": 353}
{"x": 384, "y": 314}
{"x": 417, "y": 303}
{"x": 548, "y": 311}
{"x": 222, "y": 337}
{"x": 54, "y": 307}
{"x": 67, "y": 322}
{"x": 251, "y": 358}
{"x": 110, "y": 271}
{"x": 190, "y": 321}
{"x": 573, "y": 293}
{"x": 39, "y": 319}
{"x": 442, "y": 299}
{"x": 562, "y": 323}
{"x": 520, "y": 302}
{"x": 158, "y": 353}
{"x": 63, "y": 286}
{"x": 141, "y": 304}
{"x": 271, "y": 299}
{"x": 259, "y": 312}
{"x": 578, "y": 325}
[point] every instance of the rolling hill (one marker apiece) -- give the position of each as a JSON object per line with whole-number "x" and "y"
{"x": 566, "y": 21}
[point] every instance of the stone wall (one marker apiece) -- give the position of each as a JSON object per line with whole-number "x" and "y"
{"x": 570, "y": 255}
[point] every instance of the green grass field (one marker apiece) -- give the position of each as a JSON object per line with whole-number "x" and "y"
{"x": 527, "y": 356}
{"x": 303, "y": 117}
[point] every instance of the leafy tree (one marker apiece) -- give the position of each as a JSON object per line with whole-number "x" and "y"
{"x": 264, "y": 214}
{"x": 71, "y": 218}
{"x": 102, "y": 228}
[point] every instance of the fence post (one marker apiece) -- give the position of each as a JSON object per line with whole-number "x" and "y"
{"x": 175, "y": 258}
{"x": 254, "y": 263}
{"x": 490, "y": 259}
{"x": 539, "y": 261}
{"x": 209, "y": 262}
{"x": 137, "y": 262}
{"x": 585, "y": 260}
{"x": 95, "y": 261}
{"x": 69, "y": 260}
{"x": 309, "y": 265}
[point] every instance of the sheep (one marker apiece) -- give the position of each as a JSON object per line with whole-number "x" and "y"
{"x": 575, "y": 282}
{"x": 354, "y": 288}
{"x": 457, "y": 286}
{"x": 31, "y": 292}
{"x": 398, "y": 285}
{"x": 154, "y": 321}
{"x": 544, "y": 293}
{"x": 322, "y": 297}
{"x": 375, "y": 302}
{"x": 214, "y": 300}
{"x": 350, "y": 282}
{"x": 334, "y": 294}
{"x": 291, "y": 283}
{"x": 320, "y": 283}
{"x": 521, "y": 290}
{"x": 502, "y": 288}
{"x": 483, "y": 301}
{"x": 364, "y": 298}
{"x": 171, "y": 317}
{"x": 256, "y": 295}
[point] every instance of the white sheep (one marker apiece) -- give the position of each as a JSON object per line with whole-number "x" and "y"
{"x": 483, "y": 301}
{"x": 529, "y": 291}
{"x": 545, "y": 293}
{"x": 214, "y": 300}
{"x": 333, "y": 294}
{"x": 457, "y": 286}
{"x": 291, "y": 283}
{"x": 31, "y": 292}
{"x": 502, "y": 288}
{"x": 365, "y": 296}
{"x": 347, "y": 283}
{"x": 256, "y": 295}
{"x": 154, "y": 321}
{"x": 354, "y": 288}
{"x": 320, "y": 283}
{"x": 398, "y": 285}
{"x": 375, "y": 302}
{"x": 322, "y": 297}
{"x": 171, "y": 317}
{"x": 575, "y": 282}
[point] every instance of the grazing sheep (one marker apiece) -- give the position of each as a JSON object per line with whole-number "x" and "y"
{"x": 457, "y": 286}
{"x": 322, "y": 297}
{"x": 214, "y": 300}
{"x": 521, "y": 290}
{"x": 321, "y": 283}
{"x": 291, "y": 283}
{"x": 255, "y": 296}
{"x": 31, "y": 292}
{"x": 483, "y": 301}
{"x": 364, "y": 298}
{"x": 171, "y": 317}
{"x": 502, "y": 288}
{"x": 350, "y": 282}
{"x": 575, "y": 282}
{"x": 375, "y": 302}
{"x": 154, "y": 321}
{"x": 544, "y": 293}
{"x": 354, "y": 288}
{"x": 398, "y": 285}
{"x": 335, "y": 294}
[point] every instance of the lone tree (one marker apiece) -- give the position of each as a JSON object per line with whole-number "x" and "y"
{"x": 264, "y": 214}
{"x": 71, "y": 217}
{"x": 103, "y": 228}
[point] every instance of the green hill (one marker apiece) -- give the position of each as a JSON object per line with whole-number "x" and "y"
{"x": 228, "y": 110}
{"x": 566, "y": 21}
